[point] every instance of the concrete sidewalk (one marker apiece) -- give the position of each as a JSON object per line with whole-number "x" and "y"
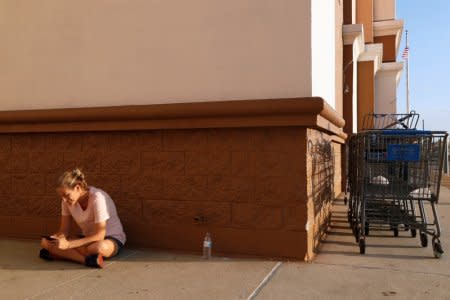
{"x": 397, "y": 268}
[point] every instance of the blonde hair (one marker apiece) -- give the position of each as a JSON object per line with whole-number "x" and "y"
{"x": 71, "y": 178}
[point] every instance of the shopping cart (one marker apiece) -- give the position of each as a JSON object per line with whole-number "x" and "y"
{"x": 394, "y": 172}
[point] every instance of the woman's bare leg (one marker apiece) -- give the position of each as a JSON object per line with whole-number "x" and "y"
{"x": 105, "y": 248}
{"x": 75, "y": 254}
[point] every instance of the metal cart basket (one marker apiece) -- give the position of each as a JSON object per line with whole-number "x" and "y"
{"x": 394, "y": 171}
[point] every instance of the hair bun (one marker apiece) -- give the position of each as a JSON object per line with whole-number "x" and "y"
{"x": 78, "y": 174}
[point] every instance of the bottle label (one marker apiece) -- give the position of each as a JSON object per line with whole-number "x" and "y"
{"x": 207, "y": 244}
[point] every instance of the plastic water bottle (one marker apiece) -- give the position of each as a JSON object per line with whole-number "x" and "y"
{"x": 207, "y": 245}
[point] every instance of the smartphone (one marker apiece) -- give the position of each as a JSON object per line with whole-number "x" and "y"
{"x": 48, "y": 238}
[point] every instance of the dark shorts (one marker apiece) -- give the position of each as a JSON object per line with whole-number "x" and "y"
{"x": 118, "y": 243}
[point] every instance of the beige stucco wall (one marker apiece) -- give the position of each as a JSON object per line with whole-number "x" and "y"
{"x": 323, "y": 44}
{"x": 61, "y": 53}
{"x": 383, "y": 10}
{"x": 386, "y": 82}
{"x": 339, "y": 52}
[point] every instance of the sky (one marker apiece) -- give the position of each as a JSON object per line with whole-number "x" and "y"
{"x": 428, "y": 25}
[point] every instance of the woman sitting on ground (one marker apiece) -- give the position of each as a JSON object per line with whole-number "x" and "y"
{"x": 95, "y": 213}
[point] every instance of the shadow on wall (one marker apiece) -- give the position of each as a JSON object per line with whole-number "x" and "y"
{"x": 322, "y": 183}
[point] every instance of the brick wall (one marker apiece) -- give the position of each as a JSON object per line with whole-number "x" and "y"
{"x": 246, "y": 186}
{"x": 323, "y": 185}
{"x": 445, "y": 181}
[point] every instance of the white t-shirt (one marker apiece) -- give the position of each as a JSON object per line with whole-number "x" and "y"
{"x": 100, "y": 208}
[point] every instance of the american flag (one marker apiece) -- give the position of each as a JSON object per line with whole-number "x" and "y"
{"x": 405, "y": 54}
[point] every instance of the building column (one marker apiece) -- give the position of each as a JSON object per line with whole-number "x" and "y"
{"x": 368, "y": 65}
{"x": 353, "y": 47}
{"x": 364, "y": 15}
{"x": 386, "y": 82}
{"x": 388, "y": 33}
{"x": 349, "y": 12}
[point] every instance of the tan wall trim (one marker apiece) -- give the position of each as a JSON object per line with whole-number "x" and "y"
{"x": 240, "y": 113}
{"x": 390, "y": 27}
{"x": 337, "y": 139}
{"x": 348, "y": 89}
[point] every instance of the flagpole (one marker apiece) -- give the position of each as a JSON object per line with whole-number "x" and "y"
{"x": 407, "y": 74}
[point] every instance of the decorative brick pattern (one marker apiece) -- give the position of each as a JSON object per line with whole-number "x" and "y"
{"x": 185, "y": 140}
{"x": 142, "y": 185}
{"x": 230, "y": 188}
{"x": 208, "y": 163}
{"x": 279, "y": 139}
{"x": 235, "y": 183}
{"x": 95, "y": 141}
{"x": 337, "y": 151}
{"x": 43, "y": 162}
{"x": 33, "y": 142}
{"x": 236, "y": 139}
{"x": 257, "y": 216}
{"x": 241, "y": 164}
{"x": 129, "y": 208}
{"x": 162, "y": 212}
{"x": 19, "y": 162}
{"x": 27, "y": 185}
{"x": 26, "y": 227}
{"x": 276, "y": 163}
{"x": 69, "y": 142}
{"x": 193, "y": 188}
{"x": 111, "y": 183}
{"x": 5, "y": 161}
{"x": 135, "y": 141}
{"x": 5, "y": 143}
{"x": 42, "y": 206}
{"x": 164, "y": 163}
{"x": 5, "y": 186}
{"x": 295, "y": 217}
{"x": 323, "y": 162}
{"x": 120, "y": 162}
{"x": 14, "y": 162}
{"x": 280, "y": 190}
{"x": 89, "y": 160}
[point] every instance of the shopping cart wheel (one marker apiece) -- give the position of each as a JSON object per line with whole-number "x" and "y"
{"x": 366, "y": 229}
{"x": 356, "y": 234}
{"x": 437, "y": 248}
{"x": 395, "y": 229}
{"x": 362, "y": 246}
{"x": 413, "y": 232}
{"x": 423, "y": 239}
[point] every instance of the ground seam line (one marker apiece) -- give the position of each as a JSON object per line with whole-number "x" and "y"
{"x": 73, "y": 279}
{"x": 264, "y": 281}
{"x": 383, "y": 269}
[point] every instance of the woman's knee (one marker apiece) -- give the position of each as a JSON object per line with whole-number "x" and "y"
{"x": 104, "y": 248}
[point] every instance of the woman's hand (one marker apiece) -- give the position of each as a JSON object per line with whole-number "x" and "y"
{"x": 62, "y": 243}
{"x": 58, "y": 235}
